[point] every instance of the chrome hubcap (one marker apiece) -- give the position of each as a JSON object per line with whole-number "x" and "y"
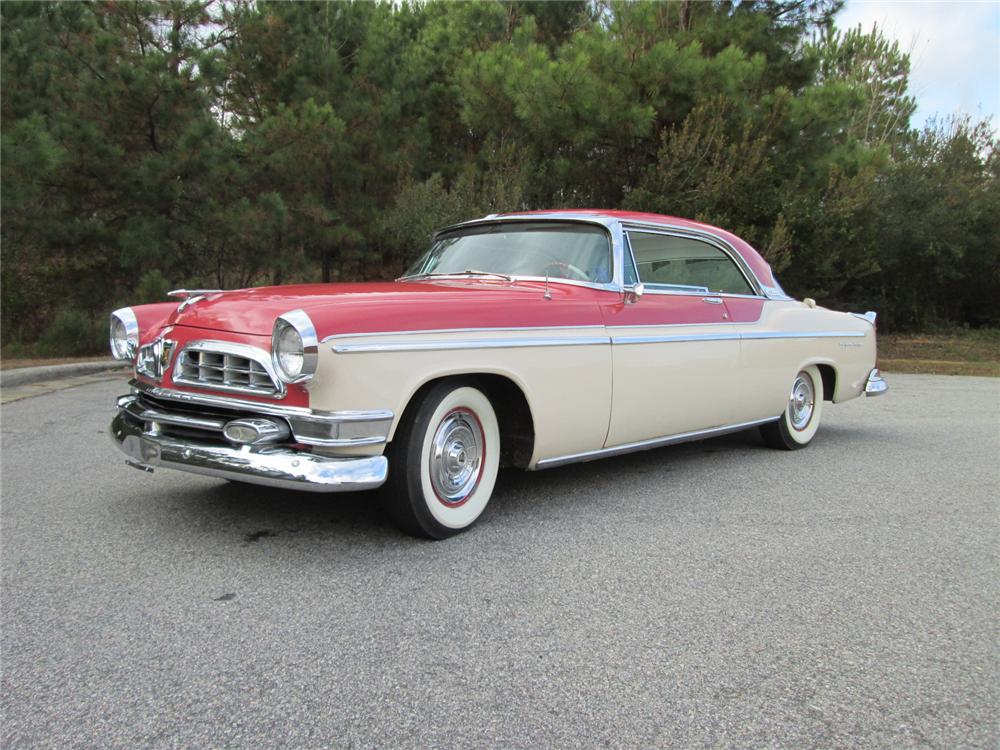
{"x": 456, "y": 458}
{"x": 800, "y": 405}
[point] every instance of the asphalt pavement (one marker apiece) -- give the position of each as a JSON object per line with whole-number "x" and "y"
{"x": 716, "y": 594}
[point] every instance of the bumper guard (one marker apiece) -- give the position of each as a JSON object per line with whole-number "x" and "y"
{"x": 876, "y": 385}
{"x": 269, "y": 466}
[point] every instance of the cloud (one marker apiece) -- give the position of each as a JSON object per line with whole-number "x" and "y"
{"x": 955, "y": 52}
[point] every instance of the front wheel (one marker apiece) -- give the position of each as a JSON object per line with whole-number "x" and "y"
{"x": 799, "y": 422}
{"x": 444, "y": 461}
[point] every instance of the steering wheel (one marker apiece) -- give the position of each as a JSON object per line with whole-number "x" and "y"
{"x": 571, "y": 271}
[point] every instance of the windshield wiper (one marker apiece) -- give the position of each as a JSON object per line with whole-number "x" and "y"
{"x": 475, "y": 272}
{"x": 466, "y": 272}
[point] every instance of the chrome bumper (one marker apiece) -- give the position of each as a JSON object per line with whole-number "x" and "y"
{"x": 269, "y": 466}
{"x": 875, "y": 386}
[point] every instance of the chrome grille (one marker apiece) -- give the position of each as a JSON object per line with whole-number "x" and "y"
{"x": 221, "y": 368}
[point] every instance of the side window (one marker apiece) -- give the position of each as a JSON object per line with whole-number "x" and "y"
{"x": 629, "y": 267}
{"x": 685, "y": 265}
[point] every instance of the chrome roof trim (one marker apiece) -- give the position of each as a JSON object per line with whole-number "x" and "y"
{"x": 605, "y": 221}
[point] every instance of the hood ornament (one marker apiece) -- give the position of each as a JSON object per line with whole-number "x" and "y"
{"x": 190, "y": 296}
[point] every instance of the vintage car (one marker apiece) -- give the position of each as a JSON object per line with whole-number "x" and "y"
{"x": 532, "y": 340}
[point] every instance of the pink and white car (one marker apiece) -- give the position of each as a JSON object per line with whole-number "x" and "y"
{"x": 531, "y": 340}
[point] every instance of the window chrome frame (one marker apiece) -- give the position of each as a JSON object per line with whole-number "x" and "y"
{"x": 254, "y": 353}
{"x": 709, "y": 239}
{"x": 618, "y": 231}
{"x": 611, "y": 226}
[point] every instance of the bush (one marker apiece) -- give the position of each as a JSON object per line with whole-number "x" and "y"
{"x": 72, "y": 333}
{"x": 153, "y": 287}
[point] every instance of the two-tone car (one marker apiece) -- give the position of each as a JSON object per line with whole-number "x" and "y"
{"x": 530, "y": 340}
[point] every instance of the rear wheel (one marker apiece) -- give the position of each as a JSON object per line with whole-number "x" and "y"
{"x": 444, "y": 461}
{"x": 799, "y": 422}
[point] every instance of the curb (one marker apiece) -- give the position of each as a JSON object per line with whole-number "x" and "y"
{"x": 28, "y": 375}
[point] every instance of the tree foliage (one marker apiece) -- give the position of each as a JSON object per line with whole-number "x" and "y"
{"x": 148, "y": 145}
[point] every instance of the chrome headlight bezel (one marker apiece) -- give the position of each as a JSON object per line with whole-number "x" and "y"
{"x": 123, "y": 334}
{"x": 298, "y": 321}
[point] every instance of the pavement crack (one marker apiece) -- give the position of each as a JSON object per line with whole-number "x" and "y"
{"x": 256, "y": 536}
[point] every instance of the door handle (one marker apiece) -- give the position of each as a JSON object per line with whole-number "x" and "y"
{"x": 712, "y": 300}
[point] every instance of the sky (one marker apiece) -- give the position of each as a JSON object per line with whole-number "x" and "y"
{"x": 955, "y": 52}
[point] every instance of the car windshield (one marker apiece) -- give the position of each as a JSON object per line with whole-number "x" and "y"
{"x": 557, "y": 250}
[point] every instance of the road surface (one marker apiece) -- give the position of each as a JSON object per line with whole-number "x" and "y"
{"x": 717, "y": 594}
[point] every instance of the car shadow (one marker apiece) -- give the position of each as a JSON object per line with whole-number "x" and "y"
{"x": 255, "y": 515}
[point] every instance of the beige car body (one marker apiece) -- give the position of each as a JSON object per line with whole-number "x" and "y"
{"x": 570, "y": 387}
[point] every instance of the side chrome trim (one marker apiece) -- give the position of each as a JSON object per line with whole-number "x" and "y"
{"x": 642, "y": 445}
{"x": 433, "y": 346}
{"x": 801, "y": 335}
{"x": 444, "y": 345}
{"x": 624, "y": 340}
{"x": 425, "y": 331}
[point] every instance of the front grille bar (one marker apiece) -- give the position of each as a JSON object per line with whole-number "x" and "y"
{"x": 226, "y": 366}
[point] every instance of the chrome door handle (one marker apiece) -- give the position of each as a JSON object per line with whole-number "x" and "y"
{"x": 712, "y": 300}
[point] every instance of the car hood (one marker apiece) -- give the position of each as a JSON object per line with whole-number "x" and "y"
{"x": 369, "y": 307}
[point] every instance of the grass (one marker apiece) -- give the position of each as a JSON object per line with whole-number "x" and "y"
{"x": 957, "y": 352}
{"x": 11, "y": 363}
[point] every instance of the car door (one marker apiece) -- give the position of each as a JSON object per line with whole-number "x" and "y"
{"x": 675, "y": 350}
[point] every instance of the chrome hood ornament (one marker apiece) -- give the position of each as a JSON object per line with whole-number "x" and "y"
{"x": 191, "y": 296}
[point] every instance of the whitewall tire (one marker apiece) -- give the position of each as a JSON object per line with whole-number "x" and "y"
{"x": 443, "y": 461}
{"x": 799, "y": 422}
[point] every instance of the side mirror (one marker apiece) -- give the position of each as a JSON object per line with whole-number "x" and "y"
{"x": 634, "y": 293}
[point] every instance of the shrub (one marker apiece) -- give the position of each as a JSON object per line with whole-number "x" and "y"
{"x": 72, "y": 333}
{"x": 153, "y": 287}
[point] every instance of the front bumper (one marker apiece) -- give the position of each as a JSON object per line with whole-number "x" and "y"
{"x": 875, "y": 385}
{"x": 266, "y": 465}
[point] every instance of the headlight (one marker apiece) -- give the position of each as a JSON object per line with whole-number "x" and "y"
{"x": 294, "y": 348}
{"x": 124, "y": 337}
